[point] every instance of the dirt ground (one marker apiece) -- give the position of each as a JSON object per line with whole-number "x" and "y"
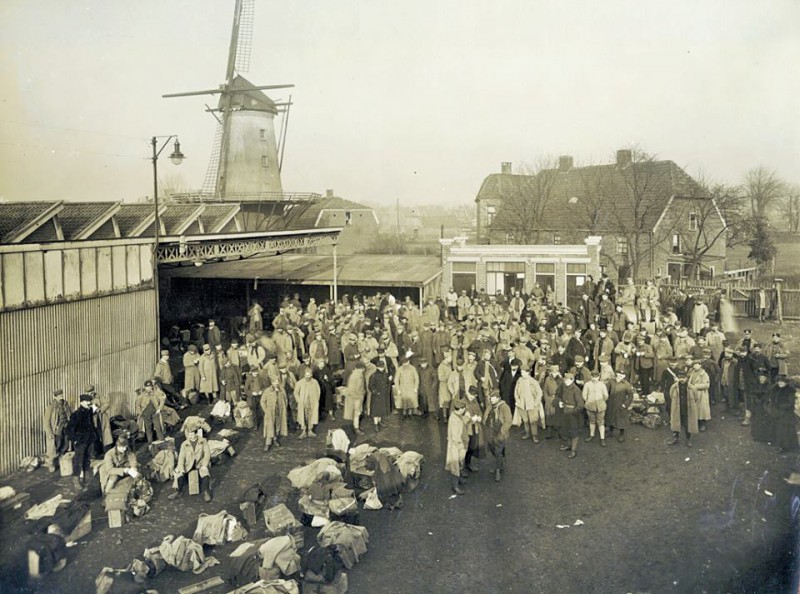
{"x": 656, "y": 518}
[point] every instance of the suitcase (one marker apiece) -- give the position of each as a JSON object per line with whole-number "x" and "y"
{"x": 278, "y": 519}
{"x": 116, "y": 518}
{"x": 162, "y": 444}
{"x": 194, "y": 482}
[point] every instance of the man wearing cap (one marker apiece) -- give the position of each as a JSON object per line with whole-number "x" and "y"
{"x": 102, "y": 407}
{"x": 777, "y": 354}
{"x": 230, "y": 382}
{"x": 551, "y": 385}
{"x": 118, "y": 462}
{"x": 782, "y": 407}
{"x": 84, "y": 436}
{"x": 497, "y": 421}
{"x": 213, "y": 335}
{"x": 746, "y": 341}
{"x": 354, "y": 394}
{"x": 209, "y": 382}
{"x": 56, "y": 418}
{"x": 603, "y": 346}
{"x": 761, "y": 427}
{"x": 571, "y": 405}
{"x": 528, "y": 411}
{"x": 307, "y": 393}
{"x": 380, "y": 390}
{"x": 148, "y": 411}
{"x": 662, "y": 351}
{"x": 457, "y": 443}
{"x": 444, "y": 372}
{"x": 509, "y": 376}
{"x": 428, "y": 388}
{"x": 683, "y": 413}
{"x": 620, "y": 398}
{"x": 191, "y": 369}
{"x": 407, "y": 386}
{"x": 643, "y": 363}
{"x": 595, "y": 398}
{"x": 195, "y": 454}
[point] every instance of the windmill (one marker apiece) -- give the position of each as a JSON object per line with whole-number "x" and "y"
{"x": 246, "y": 158}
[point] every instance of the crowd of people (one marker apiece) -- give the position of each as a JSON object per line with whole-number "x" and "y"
{"x": 479, "y": 363}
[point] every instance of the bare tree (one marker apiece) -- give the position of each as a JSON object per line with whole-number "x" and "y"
{"x": 711, "y": 215}
{"x": 763, "y": 188}
{"x": 633, "y": 204}
{"x": 790, "y": 208}
{"x": 593, "y": 203}
{"x": 524, "y": 198}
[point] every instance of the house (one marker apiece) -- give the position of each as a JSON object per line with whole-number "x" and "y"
{"x": 654, "y": 218}
{"x": 359, "y": 222}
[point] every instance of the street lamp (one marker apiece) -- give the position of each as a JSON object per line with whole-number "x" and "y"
{"x": 177, "y": 158}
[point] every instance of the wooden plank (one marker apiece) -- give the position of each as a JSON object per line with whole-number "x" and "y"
{"x": 202, "y": 586}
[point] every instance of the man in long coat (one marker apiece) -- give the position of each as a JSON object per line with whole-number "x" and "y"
{"x": 407, "y": 386}
{"x": 620, "y": 398}
{"x": 457, "y": 441}
{"x": 684, "y": 401}
{"x": 497, "y": 420}
{"x": 209, "y": 381}
{"x": 307, "y": 393}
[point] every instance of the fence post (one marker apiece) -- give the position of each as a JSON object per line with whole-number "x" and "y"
{"x": 779, "y": 289}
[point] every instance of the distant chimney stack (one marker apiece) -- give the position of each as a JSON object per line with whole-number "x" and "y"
{"x": 505, "y": 167}
{"x": 328, "y": 193}
{"x": 565, "y": 163}
{"x": 624, "y": 157}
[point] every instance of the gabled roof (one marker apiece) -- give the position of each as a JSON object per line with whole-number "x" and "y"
{"x": 578, "y": 190}
{"x": 178, "y": 217}
{"x": 311, "y": 216}
{"x": 20, "y": 219}
{"x": 80, "y": 219}
{"x": 216, "y": 216}
{"x": 134, "y": 219}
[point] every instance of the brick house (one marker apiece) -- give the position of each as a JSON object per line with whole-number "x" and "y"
{"x": 654, "y": 218}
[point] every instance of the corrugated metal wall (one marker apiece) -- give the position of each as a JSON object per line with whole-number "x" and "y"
{"x": 106, "y": 341}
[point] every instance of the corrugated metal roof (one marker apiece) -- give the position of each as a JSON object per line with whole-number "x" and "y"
{"x": 311, "y": 214}
{"x": 368, "y": 270}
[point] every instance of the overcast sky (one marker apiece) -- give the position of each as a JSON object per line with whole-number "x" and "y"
{"x": 417, "y": 100}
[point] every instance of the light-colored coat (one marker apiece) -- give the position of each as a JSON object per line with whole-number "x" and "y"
{"x": 407, "y": 385}
{"x": 307, "y": 393}
{"x": 675, "y": 410}
{"x": 209, "y": 382}
{"x": 699, "y": 380}
{"x": 194, "y": 456}
{"x": 457, "y": 441}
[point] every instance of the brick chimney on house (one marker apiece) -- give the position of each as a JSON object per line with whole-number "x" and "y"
{"x": 505, "y": 167}
{"x": 328, "y": 193}
{"x": 624, "y": 157}
{"x": 565, "y": 163}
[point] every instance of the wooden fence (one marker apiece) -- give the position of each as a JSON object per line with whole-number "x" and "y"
{"x": 743, "y": 297}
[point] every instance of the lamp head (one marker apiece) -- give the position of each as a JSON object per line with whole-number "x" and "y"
{"x": 177, "y": 156}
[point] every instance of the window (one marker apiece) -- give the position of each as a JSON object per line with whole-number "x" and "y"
{"x": 262, "y": 134}
{"x": 463, "y": 276}
{"x": 556, "y": 239}
{"x": 544, "y": 273}
{"x": 692, "y": 221}
{"x": 576, "y": 278}
{"x": 348, "y": 218}
{"x": 264, "y": 160}
{"x": 676, "y": 243}
{"x": 504, "y": 276}
{"x": 491, "y": 211}
{"x": 622, "y": 246}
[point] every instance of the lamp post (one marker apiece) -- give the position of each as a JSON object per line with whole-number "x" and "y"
{"x": 177, "y": 158}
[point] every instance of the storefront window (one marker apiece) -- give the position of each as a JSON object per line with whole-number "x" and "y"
{"x": 464, "y": 275}
{"x": 504, "y": 277}
{"x": 545, "y": 275}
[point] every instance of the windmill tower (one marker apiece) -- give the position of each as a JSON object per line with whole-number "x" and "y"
{"x": 246, "y": 159}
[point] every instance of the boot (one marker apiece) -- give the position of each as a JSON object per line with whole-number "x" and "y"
{"x": 688, "y": 440}
{"x": 497, "y": 475}
{"x": 207, "y": 496}
{"x": 174, "y": 495}
{"x": 456, "y": 487}
{"x": 674, "y": 439}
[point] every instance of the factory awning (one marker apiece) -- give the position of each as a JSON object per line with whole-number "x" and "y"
{"x": 361, "y": 270}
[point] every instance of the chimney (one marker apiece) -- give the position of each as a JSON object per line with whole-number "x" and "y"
{"x": 565, "y": 163}
{"x": 505, "y": 167}
{"x": 328, "y": 193}
{"x": 624, "y": 158}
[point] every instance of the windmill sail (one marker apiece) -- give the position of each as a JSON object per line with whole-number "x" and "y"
{"x": 244, "y": 44}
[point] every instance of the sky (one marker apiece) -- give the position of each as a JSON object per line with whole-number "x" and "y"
{"x": 415, "y": 101}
